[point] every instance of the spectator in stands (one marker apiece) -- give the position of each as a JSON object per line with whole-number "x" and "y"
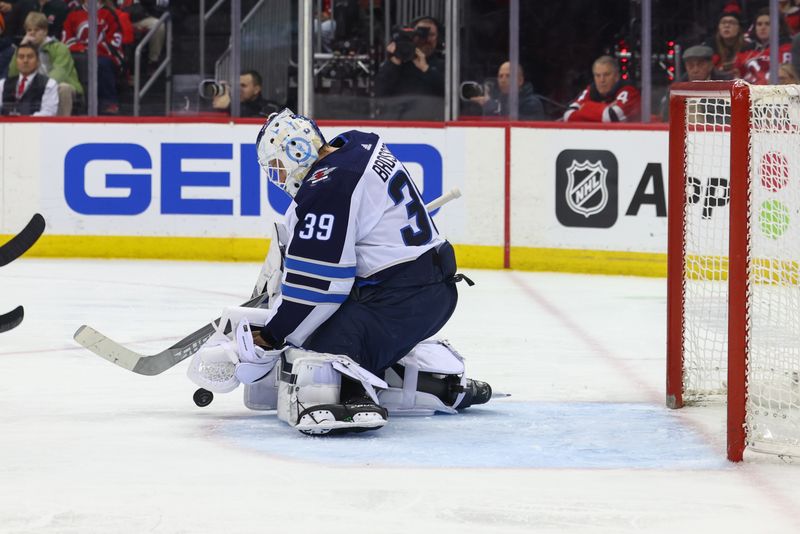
{"x": 6, "y": 47}
{"x": 727, "y": 42}
{"x": 787, "y": 74}
{"x": 796, "y": 52}
{"x": 28, "y": 93}
{"x": 411, "y": 80}
{"x": 699, "y": 66}
{"x": 54, "y": 10}
{"x": 109, "y": 54}
{"x": 144, "y": 15}
{"x": 251, "y": 102}
{"x": 791, "y": 14}
{"x": 754, "y": 58}
{"x": 608, "y": 98}
{"x": 55, "y": 61}
{"x": 495, "y": 102}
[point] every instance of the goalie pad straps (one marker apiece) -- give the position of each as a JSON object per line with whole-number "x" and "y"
{"x": 430, "y": 379}
{"x": 309, "y": 379}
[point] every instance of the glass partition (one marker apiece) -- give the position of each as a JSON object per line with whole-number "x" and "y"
{"x": 379, "y": 59}
{"x": 390, "y": 59}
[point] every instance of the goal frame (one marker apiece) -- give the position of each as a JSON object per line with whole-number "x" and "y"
{"x": 740, "y": 135}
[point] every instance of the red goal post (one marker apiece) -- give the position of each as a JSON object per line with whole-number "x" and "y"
{"x": 733, "y": 307}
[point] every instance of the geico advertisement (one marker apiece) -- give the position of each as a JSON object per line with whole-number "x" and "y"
{"x": 185, "y": 179}
{"x": 590, "y": 189}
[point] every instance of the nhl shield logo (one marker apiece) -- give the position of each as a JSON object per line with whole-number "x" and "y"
{"x": 586, "y": 188}
{"x": 587, "y": 192}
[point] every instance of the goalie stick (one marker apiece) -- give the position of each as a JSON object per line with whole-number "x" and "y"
{"x": 10, "y": 320}
{"x": 20, "y": 243}
{"x": 154, "y": 364}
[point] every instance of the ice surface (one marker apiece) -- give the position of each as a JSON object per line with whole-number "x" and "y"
{"x": 584, "y": 444}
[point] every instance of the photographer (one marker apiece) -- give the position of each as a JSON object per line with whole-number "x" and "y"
{"x": 414, "y": 69}
{"x": 252, "y": 103}
{"x": 494, "y": 102}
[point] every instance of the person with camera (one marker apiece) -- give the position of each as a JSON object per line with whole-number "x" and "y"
{"x": 411, "y": 80}
{"x": 494, "y": 100}
{"x": 251, "y": 102}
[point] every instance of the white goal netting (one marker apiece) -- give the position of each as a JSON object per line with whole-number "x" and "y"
{"x": 773, "y": 278}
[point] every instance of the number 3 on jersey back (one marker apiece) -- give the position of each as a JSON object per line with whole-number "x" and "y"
{"x": 415, "y": 209}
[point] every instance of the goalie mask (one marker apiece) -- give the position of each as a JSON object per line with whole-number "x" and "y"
{"x": 287, "y": 147}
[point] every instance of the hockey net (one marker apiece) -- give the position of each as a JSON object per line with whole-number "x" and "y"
{"x": 734, "y": 259}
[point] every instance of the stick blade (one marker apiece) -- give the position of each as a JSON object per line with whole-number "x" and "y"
{"x": 20, "y": 243}
{"x": 12, "y": 319}
{"x": 91, "y": 339}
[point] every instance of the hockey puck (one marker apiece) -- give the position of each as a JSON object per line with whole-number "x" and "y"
{"x": 202, "y": 397}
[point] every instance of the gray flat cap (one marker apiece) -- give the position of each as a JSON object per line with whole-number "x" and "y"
{"x": 698, "y": 52}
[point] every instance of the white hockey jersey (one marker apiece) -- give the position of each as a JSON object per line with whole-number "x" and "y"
{"x": 357, "y": 214}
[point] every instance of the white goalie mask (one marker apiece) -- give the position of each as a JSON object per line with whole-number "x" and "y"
{"x": 287, "y": 147}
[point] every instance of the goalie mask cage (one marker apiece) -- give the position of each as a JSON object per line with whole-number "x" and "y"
{"x": 733, "y": 301}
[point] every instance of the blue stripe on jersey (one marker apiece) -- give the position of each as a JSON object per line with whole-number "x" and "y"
{"x": 312, "y": 296}
{"x": 326, "y": 271}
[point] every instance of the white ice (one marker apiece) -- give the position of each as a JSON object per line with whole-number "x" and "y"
{"x": 584, "y": 444}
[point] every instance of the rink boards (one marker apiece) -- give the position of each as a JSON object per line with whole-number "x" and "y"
{"x": 536, "y": 196}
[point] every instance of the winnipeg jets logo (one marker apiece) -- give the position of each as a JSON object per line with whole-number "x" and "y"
{"x": 586, "y": 192}
{"x": 321, "y": 175}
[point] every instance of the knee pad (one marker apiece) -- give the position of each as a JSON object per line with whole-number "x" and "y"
{"x": 309, "y": 394}
{"x": 427, "y": 380}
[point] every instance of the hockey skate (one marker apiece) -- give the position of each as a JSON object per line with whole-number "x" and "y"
{"x": 475, "y": 392}
{"x": 357, "y": 413}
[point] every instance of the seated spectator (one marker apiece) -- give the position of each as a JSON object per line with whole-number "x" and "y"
{"x": 754, "y": 58}
{"x": 607, "y": 99}
{"x": 109, "y": 54}
{"x": 55, "y": 61}
{"x": 144, "y": 15}
{"x": 791, "y": 14}
{"x": 699, "y": 66}
{"x": 787, "y": 74}
{"x": 6, "y": 47}
{"x": 55, "y": 11}
{"x": 495, "y": 103}
{"x": 411, "y": 80}
{"x": 28, "y": 93}
{"x": 251, "y": 101}
{"x": 727, "y": 42}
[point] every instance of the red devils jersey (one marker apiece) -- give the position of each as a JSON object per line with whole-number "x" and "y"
{"x": 621, "y": 105}
{"x": 754, "y": 64}
{"x": 109, "y": 39}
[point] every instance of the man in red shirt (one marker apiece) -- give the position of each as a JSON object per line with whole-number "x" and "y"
{"x": 607, "y": 99}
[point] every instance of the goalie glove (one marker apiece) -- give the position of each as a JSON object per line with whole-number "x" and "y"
{"x": 223, "y": 363}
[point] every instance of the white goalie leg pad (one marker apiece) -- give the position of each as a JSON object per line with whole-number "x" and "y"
{"x": 269, "y": 279}
{"x": 431, "y": 356}
{"x": 310, "y": 379}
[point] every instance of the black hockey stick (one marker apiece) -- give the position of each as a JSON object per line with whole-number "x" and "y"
{"x": 20, "y": 243}
{"x": 156, "y": 363}
{"x": 10, "y": 320}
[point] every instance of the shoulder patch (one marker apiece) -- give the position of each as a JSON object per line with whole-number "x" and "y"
{"x": 321, "y": 175}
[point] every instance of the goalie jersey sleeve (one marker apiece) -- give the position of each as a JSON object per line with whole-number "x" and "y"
{"x": 357, "y": 214}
